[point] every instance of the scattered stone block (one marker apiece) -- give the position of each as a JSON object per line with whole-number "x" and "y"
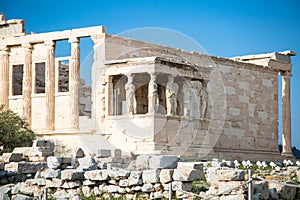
{"x": 163, "y": 162}
{"x": 79, "y": 153}
{"x": 135, "y": 178}
{"x": 178, "y": 185}
{"x": 230, "y": 175}
{"x": 96, "y": 175}
{"x": 54, "y": 183}
{"x": 185, "y": 174}
{"x": 12, "y": 157}
{"x": 150, "y": 176}
{"x": 166, "y": 175}
{"x": 284, "y": 192}
{"x": 104, "y": 153}
{"x": 22, "y": 197}
{"x": 53, "y": 162}
{"x": 44, "y": 144}
{"x": 24, "y": 167}
{"x": 112, "y": 188}
{"x": 5, "y": 192}
{"x": 191, "y": 165}
{"x": 124, "y": 183}
{"x": 148, "y": 187}
{"x": 142, "y": 162}
{"x": 87, "y": 163}
{"x": 233, "y": 197}
{"x": 72, "y": 174}
{"x": 118, "y": 174}
{"x": 273, "y": 193}
{"x": 50, "y": 173}
{"x": 261, "y": 188}
{"x": 118, "y": 153}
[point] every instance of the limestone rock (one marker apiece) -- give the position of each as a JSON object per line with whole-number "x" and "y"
{"x": 24, "y": 167}
{"x": 230, "y": 175}
{"x": 163, "y": 162}
{"x": 185, "y": 174}
{"x": 142, "y": 162}
{"x": 233, "y": 197}
{"x": 261, "y": 188}
{"x": 118, "y": 174}
{"x": 112, "y": 188}
{"x": 148, "y": 187}
{"x": 135, "y": 178}
{"x": 166, "y": 175}
{"x": 5, "y": 192}
{"x": 150, "y": 176}
{"x": 104, "y": 153}
{"x": 50, "y": 173}
{"x": 178, "y": 185}
{"x": 44, "y": 144}
{"x": 53, "y": 162}
{"x": 273, "y": 193}
{"x": 72, "y": 174}
{"x": 211, "y": 175}
{"x": 79, "y": 153}
{"x": 22, "y": 197}
{"x": 11, "y": 157}
{"x": 284, "y": 192}
{"x": 96, "y": 175}
{"x": 54, "y": 183}
{"x": 87, "y": 163}
{"x": 124, "y": 183}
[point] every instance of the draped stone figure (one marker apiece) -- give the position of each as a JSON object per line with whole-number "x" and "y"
{"x": 204, "y": 100}
{"x": 130, "y": 95}
{"x": 188, "y": 100}
{"x": 196, "y": 105}
{"x": 153, "y": 100}
{"x": 171, "y": 95}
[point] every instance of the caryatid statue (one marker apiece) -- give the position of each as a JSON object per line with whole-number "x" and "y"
{"x": 153, "y": 100}
{"x": 171, "y": 95}
{"x": 197, "y": 87}
{"x": 187, "y": 99}
{"x": 130, "y": 95}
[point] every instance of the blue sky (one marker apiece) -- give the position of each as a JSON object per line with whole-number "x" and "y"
{"x": 223, "y": 28}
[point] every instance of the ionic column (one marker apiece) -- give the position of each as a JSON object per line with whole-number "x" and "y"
{"x": 4, "y": 77}
{"x": 130, "y": 95}
{"x": 153, "y": 100}
{"x": 50, "y": 85}
{"x": 286, "y": 116}
{"x": 74, "y": 82}
{"x": 27, "y": 82}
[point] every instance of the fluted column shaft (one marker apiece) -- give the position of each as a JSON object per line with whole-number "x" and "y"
{"x": 4, "y": 77}
{"x": 286, "y": 116}
{"x": 74, "y": 82}
{"x": 50, "y": 85}
{"x": 27, "y": 82}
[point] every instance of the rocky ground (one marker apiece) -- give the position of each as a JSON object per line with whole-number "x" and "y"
{"x": 34, "y": 173}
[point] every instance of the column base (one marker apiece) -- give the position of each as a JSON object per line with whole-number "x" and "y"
{"x": 288, "y": 155}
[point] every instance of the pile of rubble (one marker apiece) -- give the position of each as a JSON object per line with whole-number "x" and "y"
{"x": 34, "y": 172}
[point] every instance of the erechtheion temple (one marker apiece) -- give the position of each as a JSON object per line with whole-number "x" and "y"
{"x": 145, "y": 98}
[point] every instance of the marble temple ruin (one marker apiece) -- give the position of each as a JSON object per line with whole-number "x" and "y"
{"x": 145, "y": 98}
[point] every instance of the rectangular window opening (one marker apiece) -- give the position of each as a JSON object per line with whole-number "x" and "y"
{"x": 17, "y": 80}
{"x": 40, "y": 77}
{"x": 63, "y": 79}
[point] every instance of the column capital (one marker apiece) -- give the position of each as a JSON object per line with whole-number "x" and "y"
{"x": 4, "y": 49}
{"x": 27, "y": 46}
{"x": 98, "y": 38}
{"x": 74, "y": 40}
{"x": 50, "y": 43}
{"x": 285, "y": 73}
